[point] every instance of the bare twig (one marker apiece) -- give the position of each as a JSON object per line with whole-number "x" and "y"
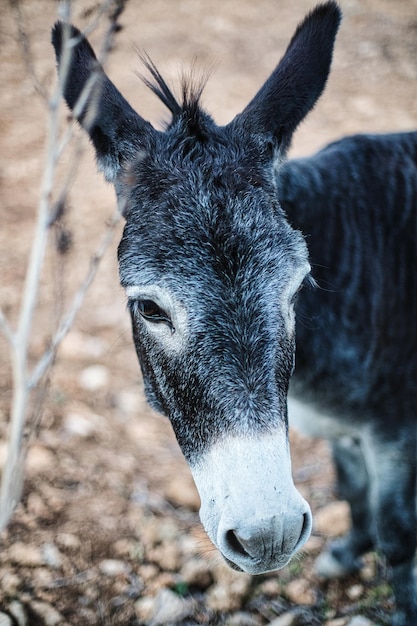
{"x": 25, "y": 381}
{"x": 5, "y": 329}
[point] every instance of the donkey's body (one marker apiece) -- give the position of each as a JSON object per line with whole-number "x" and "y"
{"x": 212, "y": 266}
{"x": 356, "y": 359}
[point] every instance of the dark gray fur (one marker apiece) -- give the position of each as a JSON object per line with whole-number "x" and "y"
{"x": 356, "y": 203}
{"x": 215, "y": 219}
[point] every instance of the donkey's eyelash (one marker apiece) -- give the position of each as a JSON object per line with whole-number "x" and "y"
{"x": 150, "y": 311}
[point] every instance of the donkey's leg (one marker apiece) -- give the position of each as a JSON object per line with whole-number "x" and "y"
{"x": 391, "y": 462}
{"x": 342, "y": 556}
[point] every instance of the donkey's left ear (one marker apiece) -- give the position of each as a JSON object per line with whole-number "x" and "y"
{"x": 118, "y": 133}
{"x": 298, "y": 80}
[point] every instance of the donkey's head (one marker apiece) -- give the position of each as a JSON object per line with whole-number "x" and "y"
{"x": 211, "y": 269}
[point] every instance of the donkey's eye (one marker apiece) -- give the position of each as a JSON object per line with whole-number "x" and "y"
{"x": 151, "y": 312}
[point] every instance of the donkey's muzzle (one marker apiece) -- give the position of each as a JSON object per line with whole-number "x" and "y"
{"x": 250, "y": 507}
{"x": 266, "y": 544}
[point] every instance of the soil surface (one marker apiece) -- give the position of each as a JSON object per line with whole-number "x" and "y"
{"x": 108, "y": 531}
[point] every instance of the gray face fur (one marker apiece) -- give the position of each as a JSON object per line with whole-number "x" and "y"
{"x": 211, "y": 268}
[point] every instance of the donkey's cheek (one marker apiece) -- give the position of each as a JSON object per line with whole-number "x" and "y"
{"x": 250, "y": 507}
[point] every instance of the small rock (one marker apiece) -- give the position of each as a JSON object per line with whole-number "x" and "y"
{"x": 339, "y": 621}
{"x": 333, "y": 520}
{"x": 219, "y": 599}
{"x": 78, "y": 425}
{"x": 17, "y": 610}
{"x": 167, "y": 556}
{"x": 68, "y": 541}
{"x": 196, "y": 573}
{"x": 148, "y": 571}
{"x": 145, "y": 608}
{"x": 51, "y": 555}
{"x": 230, "y": 590}
{"x": 127, "y": 548}
{"x": 164, "y": 580}
{"x": 42, "y": 577}
{"x": 5, "y": 620}
{"x": 170, "y": 608}
{"x": 25, "y": 554}
{"x": 242, "y": 619}
{"x": 49, "y": 615}
{"x": 36, "y": 505}
{"x": 300, "y": 591}
{"x": 39, "y": 459}
{"x": 94, "y": 377}
{"x": 361, "y": 620}
{"x": 113, "y": 567}
{"x": 10, "y": 583}
{"x": 76, "y": 345}
{"x": 271, "y": 587}
{"x": 369, "y": 570}
{"x": 286, "y": 619}
{"x": 355, "y": 592}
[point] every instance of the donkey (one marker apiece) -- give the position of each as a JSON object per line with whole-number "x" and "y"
{"x": 212, "y": 269}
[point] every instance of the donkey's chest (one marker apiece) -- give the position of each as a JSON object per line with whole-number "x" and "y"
{"x": 313, "y": 422}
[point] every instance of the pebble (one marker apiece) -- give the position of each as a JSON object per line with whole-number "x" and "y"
{"x": 196, "y": 573}
{"x": 171, "y": 608}
{"x": 286, "y": 619}
{"x": 94, "y": 377}
{"x": 361, "y": 620}
{"x": 230, "y": 589}
{"x": 148, "y": 571}
{"x": 42, "y": 577}
{"x": 242, "y": 619}
{"x": 167, "y": 607}
{"x": 355, "y": 592}
{"x": 76, "y": 345}
{"x": 339, "y": 621}
{"x": 25, "y": 554}
{"x": 16, "y": 609}
{"x": 51, "y": 555}
{"x": 333, "y": 520}
{"x": 68, "y": 541}
{"x": 47, "y": 613}
{"x": 167, "y": 556}
{"x": 36, "y": 505}
{"x": 271, "y": 587}
{"x": 39, "y": 459}
{"x": 300, "y": 591}
{"x": 10, "y": 583}
{"x": 113, "y": 567}
{"x": 78, "y": 425}
{"x": 145, "y": 608}
{"x": 5, "y": 620}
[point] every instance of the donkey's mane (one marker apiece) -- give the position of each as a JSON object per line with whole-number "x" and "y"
{"x": 188, "y": 110}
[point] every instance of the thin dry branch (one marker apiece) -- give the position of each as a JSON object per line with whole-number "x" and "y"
{"x": 25, "y": 381}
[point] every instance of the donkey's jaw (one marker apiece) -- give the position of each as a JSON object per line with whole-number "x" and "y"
{"x": 249, "y": 506}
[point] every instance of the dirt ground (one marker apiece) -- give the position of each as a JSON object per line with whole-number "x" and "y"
{"x": 108, "y": 532}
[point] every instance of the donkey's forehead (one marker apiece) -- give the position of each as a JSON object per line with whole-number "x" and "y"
{"x": 177, "y": 164}
{"x": 201, "y": 235}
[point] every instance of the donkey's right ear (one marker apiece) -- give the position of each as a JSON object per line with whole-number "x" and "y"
{"x": 116, "y": 130}
{"x": 297, "y": 82}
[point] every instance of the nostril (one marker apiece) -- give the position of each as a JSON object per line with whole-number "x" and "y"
{"x": 305, "y": 530}
{"x": 236, "y": 543}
